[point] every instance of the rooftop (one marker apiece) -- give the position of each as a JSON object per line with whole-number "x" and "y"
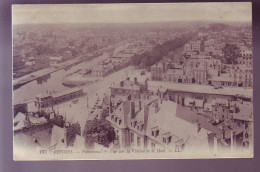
{"x": 205, "y": 123}
{"x": 127, "y": 84}
{"x": 57, "y": 138}
{"x": 204, "y": 89}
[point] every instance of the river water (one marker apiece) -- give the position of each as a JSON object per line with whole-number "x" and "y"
{"x": 53, "y": 82}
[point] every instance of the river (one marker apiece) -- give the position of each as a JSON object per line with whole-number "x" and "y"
{"x": 53, "y": 82}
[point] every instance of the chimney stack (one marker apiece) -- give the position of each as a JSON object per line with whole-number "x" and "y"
{"x": 140, "y": 105}
{"x": 223, "y": 134}
{"x": 233, "y": 140}
{"x": 146, "y": 114}
{"x": 110, "y": 106}
{"x": 215, "y": 149}
{"x": 126, "y": 110}
{"x": 132, "y": 109}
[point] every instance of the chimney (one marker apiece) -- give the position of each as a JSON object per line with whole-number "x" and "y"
{"x": 215, "y": 148}
{"x": 126, "y": 110}
{"x": 223, "y": 134}
{"x": 132, "y": 109}
{"x": 110, "y": 106}
{"x": 233, "y": 140}
{"x": 140, "y": 105}
{"x": 146, "y": 114}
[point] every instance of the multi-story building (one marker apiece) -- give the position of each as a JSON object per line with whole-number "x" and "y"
{"x": 146, "y": 124}
{"x": 245, "y": 58}
{"x": 126, "y": 88}
{"x": 193, "y": 46}
{"x": 47, "y": 99}
{"x": 157, "y": 70}
{"x": 176, "y": 75}
{"x": 242, "y": 75}
{"x": 159, "y": 124}
{"x": 197, "y": 70}
{"x": 194, "y": 70}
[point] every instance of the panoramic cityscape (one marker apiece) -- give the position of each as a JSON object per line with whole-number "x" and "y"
{"x": 133, "y": 89}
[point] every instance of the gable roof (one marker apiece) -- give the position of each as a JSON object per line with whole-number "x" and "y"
{"x": 57, "y": 138}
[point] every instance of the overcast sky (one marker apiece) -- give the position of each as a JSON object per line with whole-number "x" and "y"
{"x": 131, "y": 13}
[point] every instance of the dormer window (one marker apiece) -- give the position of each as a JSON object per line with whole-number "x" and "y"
{"x": 157, "y": 133}
{"x": 167, "y": 138}
{"x": 164, "y": 140}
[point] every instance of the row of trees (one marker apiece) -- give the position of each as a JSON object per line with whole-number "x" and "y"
{"x": 147, "y": 59}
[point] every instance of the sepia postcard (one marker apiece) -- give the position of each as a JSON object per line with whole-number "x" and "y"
{"x": 132, "y": 81}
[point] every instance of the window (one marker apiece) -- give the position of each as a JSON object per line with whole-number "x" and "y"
{"x": 135, "y": 124}
{"x": 153, "y": 145}
{"x": 169, "y": 139}
{"x": 132, "y": 137}
{"x": 157, "y": 133}
{"x": 152, "y": 133}
{"x": 164, "y": 140}
{"x": 117, "y": 135}
{"x": 246, "y": 135}
{"x": 138, "y": 141}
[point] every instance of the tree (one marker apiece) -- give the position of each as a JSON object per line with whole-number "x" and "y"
{"x": 71, "y": 132}
{"x": 104, "y": 113}
{"x": 99, "y": 131}
{"x": 147, "y": 59}
{"x": 231, "y": 52}
{"x": 58, "y": 120}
